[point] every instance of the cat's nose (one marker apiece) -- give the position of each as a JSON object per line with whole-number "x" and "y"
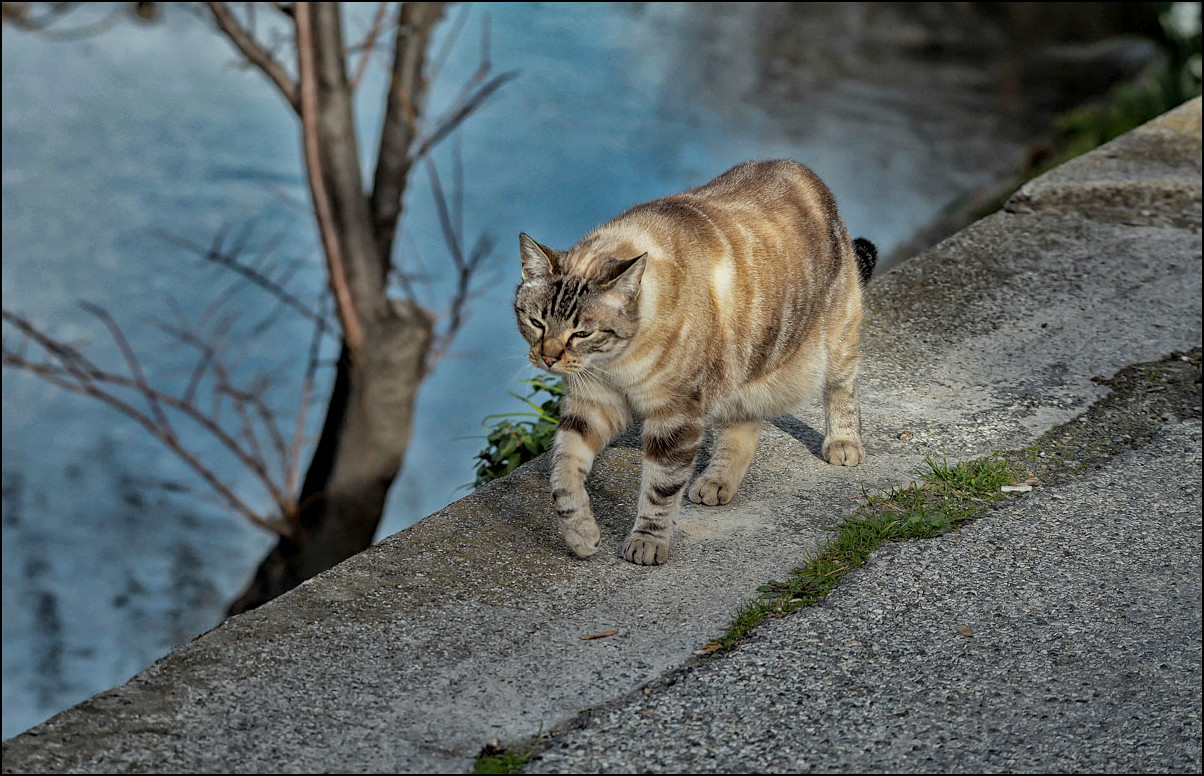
{"x": 549, "y": 360}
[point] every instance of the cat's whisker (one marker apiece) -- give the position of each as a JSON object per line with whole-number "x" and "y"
{"x": 517, "y": 374}
{"x": 591, "y": 374}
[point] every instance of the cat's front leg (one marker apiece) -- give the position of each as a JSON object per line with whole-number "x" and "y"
{"x": 586, "y": 425}
{"x": 670, "y": 444}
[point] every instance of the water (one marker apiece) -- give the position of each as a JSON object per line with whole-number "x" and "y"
{"x": 151, "y": 128}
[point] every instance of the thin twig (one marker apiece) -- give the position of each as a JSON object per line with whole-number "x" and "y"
{"x": 369, "y": 44}
{"x": 69, "y": 380}
{"x": 445, "y": 222}
{"x": 131, "y": 361}
{"x": 458, "y": 112}
{"x": 230, "y": 261}
{"x": 80, "y": 375}
{"x": 440, "y": 59}
{"x": 241, "y": 399}
{"x": 466, "y": 266}
{"x": 255, "y": 53}
{"x": 472, "y": 94}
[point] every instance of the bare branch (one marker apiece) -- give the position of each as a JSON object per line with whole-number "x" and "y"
{"x": 369, "y": 44}
{"x": 242, "y": 399}
{"x": 445, "y": 221}
{"x": 457, "y": 205}
{"x": 449, "y": 43}
{"x": 466, "y": 266}
{"x": 78, "y": 374}
{"x": 281, "y": 527}
{"x": 472, "y": 94}
{"x": 407, "y": 90}
{"x": 459, "y": 111}
{"x": 131, "y": 361}
{"x": 229, "y": 260}
{"x": 255, "y": 53}
{"x": 353, "y": 332}
{"x": 209, "y": 352}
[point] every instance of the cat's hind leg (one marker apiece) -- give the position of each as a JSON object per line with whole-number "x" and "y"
{"x": 735, "y": 445}
{"x": 842, "y": 407}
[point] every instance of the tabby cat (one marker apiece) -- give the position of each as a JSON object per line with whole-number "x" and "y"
{"x": 724, "y": 304}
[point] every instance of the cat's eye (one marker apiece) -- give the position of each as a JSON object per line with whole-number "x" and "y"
{"x": 535, "y": 323}
{"x": 580, "y": 335}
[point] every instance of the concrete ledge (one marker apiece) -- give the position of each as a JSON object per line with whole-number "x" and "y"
{"x": 466, "y": 627}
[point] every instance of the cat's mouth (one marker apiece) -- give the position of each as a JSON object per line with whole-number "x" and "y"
{"x": 556, "y": 367}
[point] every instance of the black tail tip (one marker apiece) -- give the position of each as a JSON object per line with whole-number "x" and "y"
{"x": 867, "y": 257}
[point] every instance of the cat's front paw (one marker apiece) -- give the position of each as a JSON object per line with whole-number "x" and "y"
{"x": 843, "y": 452}
{"x": 711, "y": 492}
{"x": 582, "y": 536}
{"x": 644, "y": 550}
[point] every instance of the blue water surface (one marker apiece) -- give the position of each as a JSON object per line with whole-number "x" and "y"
{"x": 149, "y": 129}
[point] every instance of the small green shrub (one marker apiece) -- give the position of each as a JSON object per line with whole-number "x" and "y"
{"x": 513, "y": 440}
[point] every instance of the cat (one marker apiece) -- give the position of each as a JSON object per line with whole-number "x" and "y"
{"x": 726, "y": 303}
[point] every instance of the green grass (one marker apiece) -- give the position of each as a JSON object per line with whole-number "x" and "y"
{"x": 946, "y": 497}
{"x": 494, "y": 759}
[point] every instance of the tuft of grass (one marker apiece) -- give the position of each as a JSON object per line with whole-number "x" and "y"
{"x": 947, "y": 496}
{"x": 496, "y": 759}
{"x": 1142, "y": 397}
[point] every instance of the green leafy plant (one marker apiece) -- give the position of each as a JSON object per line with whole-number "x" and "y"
{"x": 517, "y": 437}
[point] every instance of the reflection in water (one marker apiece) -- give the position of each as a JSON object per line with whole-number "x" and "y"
{"x": 901, "y": 109}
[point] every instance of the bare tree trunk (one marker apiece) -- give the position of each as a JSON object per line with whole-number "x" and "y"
{"x": 358, "y": 456}
{"x": 388, "y": 344}
{"x": 385, "y": 341}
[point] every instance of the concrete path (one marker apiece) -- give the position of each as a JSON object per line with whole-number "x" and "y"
{"x": 1078, "y": 651}
{"x": 467, "y": 627}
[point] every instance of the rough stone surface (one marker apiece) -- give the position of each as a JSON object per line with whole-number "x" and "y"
{"x": 1079, "y": 650}
{"x": 466, "y": 627}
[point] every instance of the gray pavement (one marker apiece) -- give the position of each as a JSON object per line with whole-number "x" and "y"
{"x": 1082, "y": 654}
{"x": 467, "y": 627}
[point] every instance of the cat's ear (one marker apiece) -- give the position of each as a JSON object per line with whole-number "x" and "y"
{"x": 625, "y": 286}
{"x": 539, "y": 261}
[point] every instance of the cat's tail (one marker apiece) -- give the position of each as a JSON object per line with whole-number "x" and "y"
{"x": 867, "y": 257}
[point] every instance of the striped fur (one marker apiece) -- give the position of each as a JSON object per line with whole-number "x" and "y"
{"x": 724, "y": 304}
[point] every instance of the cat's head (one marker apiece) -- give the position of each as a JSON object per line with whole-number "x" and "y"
{"x": 574, "y": 323}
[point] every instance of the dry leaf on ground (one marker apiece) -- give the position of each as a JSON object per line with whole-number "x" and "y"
{"x": 601, "y": 635}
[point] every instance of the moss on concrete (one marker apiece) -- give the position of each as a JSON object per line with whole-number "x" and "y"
{"x": 1143, "y": 397}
